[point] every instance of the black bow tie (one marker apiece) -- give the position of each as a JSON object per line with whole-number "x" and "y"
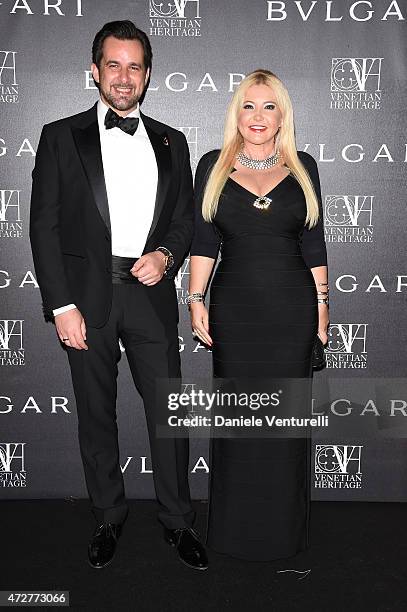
{"x": 127, "y": 124}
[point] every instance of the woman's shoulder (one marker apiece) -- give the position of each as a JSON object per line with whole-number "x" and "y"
{"x": 306, "y": 159}
{"x": 206, "y": 164}
{"x": 209, "y": 158}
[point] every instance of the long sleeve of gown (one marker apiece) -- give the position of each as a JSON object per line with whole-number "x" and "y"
{"x": 206, "y": 240}
{"x": 312, "y": 243}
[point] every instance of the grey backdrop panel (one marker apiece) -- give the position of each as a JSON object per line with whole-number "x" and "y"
{"x": 344, "y": 64}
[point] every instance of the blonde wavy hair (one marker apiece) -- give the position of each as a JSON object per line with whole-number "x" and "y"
{"x": 284, "y": 142}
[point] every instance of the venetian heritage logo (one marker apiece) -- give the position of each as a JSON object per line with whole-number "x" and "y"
{"x": 12, "y": 351}
{"x": 348, "y": 218}
{"x": 355, "y": 83}
{"x": 10, "y": 217}
{"x": 338, "y": 466}
{"x": 12, "y": 470}
{"x": 346, "y": 347}
{"x": 176, "y": 18}
{"x": 8, "y": 77}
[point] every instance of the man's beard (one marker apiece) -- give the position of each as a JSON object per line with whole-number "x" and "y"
{"x": 119, "y": 103}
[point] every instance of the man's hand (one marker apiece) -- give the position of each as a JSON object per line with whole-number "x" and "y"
{"x": 71, "y": 325}
{"x": 149, "y": 268}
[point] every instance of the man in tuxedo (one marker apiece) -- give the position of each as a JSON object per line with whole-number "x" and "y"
{"x": 111, "y": 222}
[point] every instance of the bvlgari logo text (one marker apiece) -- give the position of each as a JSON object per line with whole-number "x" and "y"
{"x": 348, "y": 283}
{"x": 59, "y": 8}
{"x": 26, "y": 279}
{"x": 144, "y": 465}
{"x": 23, "y": 148}
{"x": 179, "y": 82}
{"x": 56, "y": 404}
{"x": 334, "y": 10}
{"x": 356, "y": 153}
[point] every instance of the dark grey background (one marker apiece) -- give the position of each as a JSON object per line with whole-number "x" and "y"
{"x": 52, "y": 57}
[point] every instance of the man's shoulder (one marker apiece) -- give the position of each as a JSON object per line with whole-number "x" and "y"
{"x": 72, "y": 120}
{"x": 163, "y": 128}
{"x": 176, "y": 137}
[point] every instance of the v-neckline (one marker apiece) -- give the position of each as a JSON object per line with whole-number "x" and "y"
{"x": 255, "y": 195}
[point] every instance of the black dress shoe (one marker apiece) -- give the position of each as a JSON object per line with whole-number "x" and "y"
{"x": 102, "y": 546}
{"x": 190, "y": 550}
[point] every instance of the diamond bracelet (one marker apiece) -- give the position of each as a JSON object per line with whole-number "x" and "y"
{"x": 194, "y": 297}
{"x": 323, "y": 300}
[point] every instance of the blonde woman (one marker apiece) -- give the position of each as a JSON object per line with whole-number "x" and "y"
{"x": 259, "y": 199}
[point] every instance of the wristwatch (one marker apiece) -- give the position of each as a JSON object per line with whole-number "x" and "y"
{"x": 169, "y": 258}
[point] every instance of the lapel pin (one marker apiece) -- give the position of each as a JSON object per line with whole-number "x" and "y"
{"x": 165, "y": 141}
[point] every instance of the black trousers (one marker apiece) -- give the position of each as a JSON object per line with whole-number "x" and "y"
{"x": 145, "y": 320}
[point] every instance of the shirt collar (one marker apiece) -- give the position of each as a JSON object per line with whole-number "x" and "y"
{"x": 102, "y": 109}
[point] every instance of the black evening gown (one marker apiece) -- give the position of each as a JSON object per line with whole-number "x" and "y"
{"x": 263, "y": 319}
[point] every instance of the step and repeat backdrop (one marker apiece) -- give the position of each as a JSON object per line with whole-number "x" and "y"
{"x": 345, "y": 66}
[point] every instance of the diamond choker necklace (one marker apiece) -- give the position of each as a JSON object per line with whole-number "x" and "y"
{"x": 258, "y": 164}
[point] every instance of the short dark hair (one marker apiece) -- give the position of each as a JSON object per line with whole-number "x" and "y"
{"x": 123, "y": 30}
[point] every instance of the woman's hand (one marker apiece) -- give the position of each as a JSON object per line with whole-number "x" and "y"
{"x": 323, "y": 321}
{"x": 200, "y": 322}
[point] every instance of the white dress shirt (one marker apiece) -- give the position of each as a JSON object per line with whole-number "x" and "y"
{"x": 131, "y": 176}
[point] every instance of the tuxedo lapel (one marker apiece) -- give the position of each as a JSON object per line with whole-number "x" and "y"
{"x": 161, "y": 145}
{"x": 87, "y": 142}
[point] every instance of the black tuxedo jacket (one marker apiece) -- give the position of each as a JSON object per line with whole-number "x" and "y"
{"x": 69, "y": 220}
